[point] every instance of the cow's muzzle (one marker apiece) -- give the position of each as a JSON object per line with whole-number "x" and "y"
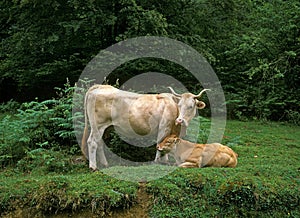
{"x": 180, "y": 121}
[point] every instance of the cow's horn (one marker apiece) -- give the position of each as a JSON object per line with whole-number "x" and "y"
{"x": 199, "y": 95}
{"x": 173, "y": 92}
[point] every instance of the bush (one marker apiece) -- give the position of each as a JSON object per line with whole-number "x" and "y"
{"x": 47, "y": 124}
{"x": 13, "y": 142}
{"x": 46, "y": 161}
{"x": 9, "y": 107}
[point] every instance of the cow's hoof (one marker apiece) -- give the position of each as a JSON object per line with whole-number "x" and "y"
{"x": 93, "y": 169}
{"x": 157, "y": 161}
{"x": 161, "y": 162}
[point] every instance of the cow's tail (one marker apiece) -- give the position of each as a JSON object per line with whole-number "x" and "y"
{"x": 84, "y": 148}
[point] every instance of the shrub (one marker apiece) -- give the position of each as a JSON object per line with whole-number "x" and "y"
{"x": 13, "y": 142}
{"x": 46, "y": 124}
{"x": 44, "y": 160}
{"x": 11, "y": 107}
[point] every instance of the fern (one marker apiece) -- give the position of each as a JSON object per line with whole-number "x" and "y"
{"x": 47, "y": 124}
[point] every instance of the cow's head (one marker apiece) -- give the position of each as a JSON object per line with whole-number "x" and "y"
{"x": 168, "y": 144}
{"x": 187, "y": 105}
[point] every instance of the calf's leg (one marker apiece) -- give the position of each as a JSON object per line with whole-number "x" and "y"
{"x": 189, "y": 165}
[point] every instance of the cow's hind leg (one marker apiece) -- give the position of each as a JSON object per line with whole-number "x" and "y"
{"x": 96, "y": 149}
{"x": 92, "y": 148}
{"x": 100, "y": 153}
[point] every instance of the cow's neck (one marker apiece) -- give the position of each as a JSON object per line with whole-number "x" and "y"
{"x": 184, "y": 149}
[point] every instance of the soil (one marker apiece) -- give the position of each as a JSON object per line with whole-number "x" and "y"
{"x": 139, "y": 209}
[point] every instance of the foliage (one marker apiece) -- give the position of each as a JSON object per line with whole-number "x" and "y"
{"x": 44, "y": 160}
{"x": 12, "y": 143}
{"x": 46, "y": 124}
{"x": 9, "y": 107}
{"x": 252, "y": 45}
{"x": 258, "y": 69}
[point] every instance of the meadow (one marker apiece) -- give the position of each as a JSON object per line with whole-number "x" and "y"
{"x": 253, "y": 47}
{"x": 265, "y": 183}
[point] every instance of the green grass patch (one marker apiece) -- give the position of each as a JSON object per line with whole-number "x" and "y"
{"x": 223, "y": 193}
{"x": 265, "y": 183}
{"x": 144, "y": 173}
{"x": 54, "y": 193}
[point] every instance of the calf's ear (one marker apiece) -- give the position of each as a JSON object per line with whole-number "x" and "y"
{"x": 200, "y": 104}
{"x": 177, "y": 140}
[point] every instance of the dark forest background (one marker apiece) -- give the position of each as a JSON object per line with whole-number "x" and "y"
{"x": 253, "y": 46}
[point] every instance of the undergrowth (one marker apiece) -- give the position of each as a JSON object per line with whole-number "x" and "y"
{"x": 38, "y": 125}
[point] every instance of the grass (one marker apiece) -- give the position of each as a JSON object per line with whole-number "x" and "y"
{"x": 266, "y": 182}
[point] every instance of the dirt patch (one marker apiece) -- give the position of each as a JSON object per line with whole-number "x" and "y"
{"x": 138, "y": 209}
{"x": 23, "y": 213}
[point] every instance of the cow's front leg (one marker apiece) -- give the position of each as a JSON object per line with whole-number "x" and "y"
{"x": 159, "y": 157}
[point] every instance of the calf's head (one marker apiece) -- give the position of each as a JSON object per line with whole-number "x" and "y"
{"x": 188, "y": 103}
{"x": 168, "y": 143}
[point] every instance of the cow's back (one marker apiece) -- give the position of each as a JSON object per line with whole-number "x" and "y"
{"x": 132, "y": 114}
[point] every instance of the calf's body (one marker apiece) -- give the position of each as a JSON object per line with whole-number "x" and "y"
{"x": 188, "y": 154}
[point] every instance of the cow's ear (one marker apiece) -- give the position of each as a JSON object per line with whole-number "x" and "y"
{"x": 200, "y": 104}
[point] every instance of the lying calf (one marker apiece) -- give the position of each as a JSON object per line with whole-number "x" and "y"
{"x": 188, "y": 154}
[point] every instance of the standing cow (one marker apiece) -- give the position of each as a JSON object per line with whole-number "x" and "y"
{"x": 134, "y": 115}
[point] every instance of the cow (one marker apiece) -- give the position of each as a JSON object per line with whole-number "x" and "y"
{"x": 193, "y": 155}
{"x": 133, "y": 115}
